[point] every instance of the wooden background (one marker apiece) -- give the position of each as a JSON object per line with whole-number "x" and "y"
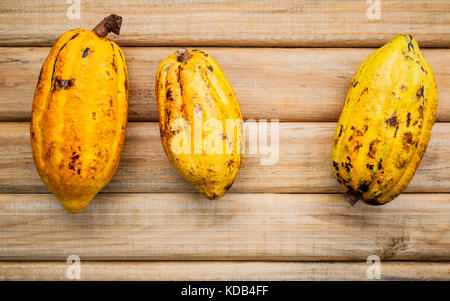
{"x": 286, "y": 60}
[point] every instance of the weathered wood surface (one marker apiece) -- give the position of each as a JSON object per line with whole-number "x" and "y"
{"x": 220, "y": 271}
{"x": 232, "y": 23}
{"x": 237, "y": 227}
{"x": 285, "y": 84}
{"x": 303, "y": 164}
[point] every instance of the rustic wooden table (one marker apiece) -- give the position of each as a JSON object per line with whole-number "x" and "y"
{"x": 286, "y": 60}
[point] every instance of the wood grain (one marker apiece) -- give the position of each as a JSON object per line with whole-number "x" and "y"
{"x": 285, "y": 84}
{"x": 222, "y": 271}
{"x": 237, "y": 227}
{"x": 303, "y": 163}
{"x": 233, "y": 23}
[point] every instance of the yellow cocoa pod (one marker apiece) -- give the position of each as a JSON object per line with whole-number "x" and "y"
{"x": 200, "y": 121}
{"x": 80, "y": 114}
{"x": 385, "y": 125}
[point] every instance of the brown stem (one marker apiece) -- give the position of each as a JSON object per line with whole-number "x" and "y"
{"x": 183, "y": 55}
{"x": 351, "y": 198}
{"x": 107, "y": 25}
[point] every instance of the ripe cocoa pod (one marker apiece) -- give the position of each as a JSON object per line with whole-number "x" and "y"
{"x": 385, "y": 125}
{"x": 79, "y": 114}
{"x": 200, "y": 121}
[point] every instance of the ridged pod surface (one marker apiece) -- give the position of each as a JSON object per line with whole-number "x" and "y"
{"x": 200, "y": 121}
{"x": 385, "y": 125}
{"x": 79, "y": 114}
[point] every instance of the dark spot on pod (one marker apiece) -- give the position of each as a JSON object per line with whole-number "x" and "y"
{"x": 421, "y": 111}
{"x": 335, "y": 165}
{"x": 230, "y": 163}
{"x": 125, "y": 82}
{"x": 357, "y": 146}
{"x": 167, "y": 116}
{"x": 369, "y": 166}
{"x": 355, "y": 84}
{"x": 419, "y": 93}
{"x": 210, "y": 68}
{"x": 410, "y": 44}
{"x": 63, "y": 84}
{"x": 408, "y": 119}
{"x": 421, "y": 67}
{"x": 364, "y": 187}
{"x": 113, "y": 65}
{"x": 407, "y": 141}
{"x": 392, "y": 121}
{"x": 74, "y": 36}
{"x": 403, "y": 87}
{"x": 354, "y": 194}
{"x": 111, "y": 102}
{"x": 73, "y": 161}
{"x": 40, "y": 76}
{"x": 340, "y": 131}
{"x": 214, "y": 196}
{"x": 169, "y": 95}
{"x": 85, "y": 52}
{"x": 408, "y": 138}
{"x": 373, "y": 202}
{"x": 364, "y": 92}
{"x": 224, "y": 137}
{"x": 107, "y": 73}
{"x": 396, "y": 130}
{"x": 348, "y": 165}
{"x": 400, "y": 164}
{"x": 366, "y": 127}
{"x": 79, "y": 171}
{"x": 372, "y": 148}
{"x": 380, "y": 165}
{"x": 93, "y": 115}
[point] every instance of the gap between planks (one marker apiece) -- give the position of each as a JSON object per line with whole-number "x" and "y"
{"x": 237, "y": 271}
{"x": 270, "y": 83}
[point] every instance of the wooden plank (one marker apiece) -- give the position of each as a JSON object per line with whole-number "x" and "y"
{"x": 285, "y": 84}
{"x": 303, "y": 163}
{"x": 222, "y": 271}
{"x": 237, "y": 227}
{"x": 233, "y": 23}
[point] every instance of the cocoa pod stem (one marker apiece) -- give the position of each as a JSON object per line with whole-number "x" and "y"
{"x": 107, "y": 25}
{"x": 351, "y": 198}
{"x": 183, "y": 55}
